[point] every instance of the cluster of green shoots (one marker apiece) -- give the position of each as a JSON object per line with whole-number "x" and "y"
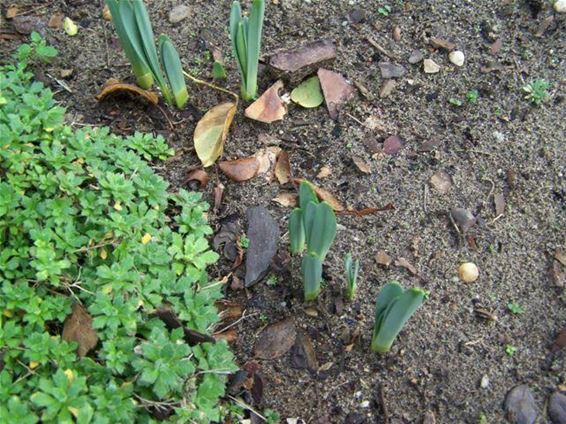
{"x": 537, "y": 91}
{"x": 311, "y": 226}
{"x": 134, "y": 29}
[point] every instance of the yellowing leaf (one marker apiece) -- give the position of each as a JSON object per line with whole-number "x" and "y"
{"x": 146, "y": 238}
{"x": 74, "y": 411}
{"x": 33, "y": 364}
{"x": 118, "y": 206}
{"x": 70, "y": 375}
{"x": 103, "y": 254}
{"x": 70, "y": 27}
{"x": 211, "y": 132}
{"x": 308, "y": 93}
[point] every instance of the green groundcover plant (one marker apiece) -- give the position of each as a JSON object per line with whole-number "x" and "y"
{"x": 85, "y": 220}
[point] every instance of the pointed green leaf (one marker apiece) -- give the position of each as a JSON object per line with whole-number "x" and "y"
{"x": 306, "y": 194}
{"x": 323, "y": 231}
{"x": 309, "y": 215}
{"x": 173, "y": 70}
{"x": 235, "y": 17}
{"x": 254, "y": 45}
{"x": 311, "y": 267}
{"x": 296, "y": 231}
{"x": 395, "y": 317}
{"x": 241, "y": 50}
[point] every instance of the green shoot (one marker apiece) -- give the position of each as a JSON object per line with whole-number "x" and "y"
{"x": 218, "y": 70}
{"x": 515, "y": 308}
{"x": 134, "y": 29}
{"x": 311, "y": 226}
{"x": 394, "y": 306}
{"x": 384, "y": 10}
{"x": 510, "y": 350}
{"x": 537, "y": 91}
{"x": 455, "y": 102}
{"x": 245, "y": 34}
{"x": 472, "y": 96}
{"x": 352, "y": 270}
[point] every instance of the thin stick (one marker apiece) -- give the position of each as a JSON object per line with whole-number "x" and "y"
{"x": 208, "y": 84}
{"x": 383, "y": 404}
{"x": 248, "y": 407}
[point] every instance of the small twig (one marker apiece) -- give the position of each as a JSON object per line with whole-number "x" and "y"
{"x": 63, "y": 84}
{"x": 425, "y": 198}
{"x": 166, "y": 117}
{"x": 210, "y": 85}
{"x": 381, "y": 48}
{"x": 247, "y": 406}
{"x": 356, "y": 119}
{"x": 384, "y": 409}
{"x": 33, "y": 10}
{"x": 243, "y": 317}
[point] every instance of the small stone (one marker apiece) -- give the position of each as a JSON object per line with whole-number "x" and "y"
{"x": 468, "y": 272}
{"x": 464, "y": 218}
{"x": 178, "y": 13}
{"x": 391, "y": 70}
{"x": 557, "y": 408}
{"x": 484, "y": 383}
{"x": 457, "y": 58}
{"x": 520, "y": 405}
{"x": 416, "y": 57}
{"x": 430, "y": 66}
{"x": 66, "y": 73}
{"x": 396, "y": 33}
{"x": 387, "y": 88}
{"x": 440, "y": 43}
{"x": 560, "y": 6}
{"x": 441, "y": 182}
{"x": 392, "y": 145}
{"x": 429, "y": 418}
{"x": 364, "y": 404}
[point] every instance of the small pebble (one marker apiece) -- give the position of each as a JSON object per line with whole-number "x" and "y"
{"x": 484, "y": 383}
{"x": 468, "y": 272}
{"x": 457, "y": 57}
{"x": 430, "y": 66}
{"x": 365, "y": 404}
{"x": 560, "y": 6}
{"x": 178, "y": 13}
{"x": 416, "y": 57}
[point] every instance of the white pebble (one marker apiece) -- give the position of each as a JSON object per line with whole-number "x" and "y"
{"x": 430, "y": 66}
{"x": 468, "y": 272}
{"x": 560, "y": 6}
{"x": 365, "y": 404}
{"x": 484, "y": 383}
{"x": 457, "y": 57}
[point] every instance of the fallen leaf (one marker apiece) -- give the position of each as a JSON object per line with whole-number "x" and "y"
{"x": 559, "y": 342}
{"x": 370, "y": 211}
{"x": 269, "y": 107}
{"x": 12, "y": 11}
{"x": 211, "y": 132}
{"x": 464, "y": 218}
{"x": 56, "y": 20}
{"x": 404, "y": 263}
{"x": 283, "y": 168}
{"x": 324, "y": 172}
{"x": 557, "y": 274}
{"x": 218, "y": 193}
{"x": 230, "y": 335}
{"x": 441, "y": 182}
{"x": 198, "y": 175}
{"x": 361, "y": 165}
{"x": 303, "y": 355}
{"x": 113, "y": 86}
{"x": 263, "y": 234}
{"x": 336, "y": 90}
{"x": 229, "y": 310}
{"x": 78, "y": 328}
{"x": 499, "y": 201}
{"x": 239, "y": 170}
{"x": 172, "y": 321}
{"x": 383, "y": 258}
{"x": 324, "y": 196}
{"x": 440, "y": 43}
{"x": 308, "y": 94}
{"x": 288, "y": 200}
{"x": 392, "y": 145}
{"x": 106, "y": 15}
{"x": 70, "y": 27}
{"x": 275, "y": 340}
{"x": 267, "y": 158}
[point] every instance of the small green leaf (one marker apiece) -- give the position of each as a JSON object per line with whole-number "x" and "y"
{"x": 296, "y": 231}
{"x": 322, "y": 231}
{"x": 306, "y": 194}
{"x": 173, "y": 71}
{"x": 311, "y": 267}
{"x": 308, "y": 94}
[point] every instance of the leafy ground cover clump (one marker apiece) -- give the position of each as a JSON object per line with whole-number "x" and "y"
{"x": 93, "y": 245}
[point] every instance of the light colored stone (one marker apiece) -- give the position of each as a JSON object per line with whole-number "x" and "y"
{"x": 178, "y": 13}
{"x": 430, "y": 66}
{"x": 560, "y": 6}
{"x": 457, "y": 58}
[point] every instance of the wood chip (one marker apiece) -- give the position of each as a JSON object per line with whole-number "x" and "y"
{"x": 324, "y": 172}
{"x": 383, "y": 258}
{"x": 440, "y": 43}
{"x": 361, "y": 165}
{"x": 404, "y": 263}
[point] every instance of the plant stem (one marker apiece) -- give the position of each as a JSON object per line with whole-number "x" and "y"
{"x": 210, "y": 85}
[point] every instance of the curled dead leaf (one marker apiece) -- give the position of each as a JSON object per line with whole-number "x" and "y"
{"x": 211, "y": 132}
{"x": 383, "y": 259}
{"x": 239, "y": 170}
{"x": 113, "y": 86}
{"x": 269, "y": 107}
{"x": 283, "y": 168}
{"x": 267, "y": 159}
{"x": 12, "y": 11}
{"x": 198, "y": 175}
{"x": 288, "y": 200}
{"x": 78, "y": 328}
{"x": 218, "y": 193}
{"x": 324, "y": 196}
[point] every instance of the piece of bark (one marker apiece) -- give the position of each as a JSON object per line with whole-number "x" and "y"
{"x": 336, "y": 90}
{"x": 295, "y": 64}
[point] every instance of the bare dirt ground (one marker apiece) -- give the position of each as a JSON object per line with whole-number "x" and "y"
{"x": 500, "y": 145}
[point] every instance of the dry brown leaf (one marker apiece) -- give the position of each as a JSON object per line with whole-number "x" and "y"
{"x": 199, "y": 176}
{"x": 241, "y": 169}
{"x": 56, "y": 20}
{"x": 12, "y": 11}
{"x": 218, "y": 193}
{"x": 324, "y": 196}
{"x": 276, "y": 339}
{"x": 361, "y": 165}
{"x": 324, "y": 172}
{"x": 560, "y": 256}
{"x": 288, "y": 200}
{"x": 404, "y": 263}
{"x": 211, "y": 132}
{"x": 269, "y": 107}
{"x": 229, "y": 310}
{"x": 383, "y": 258}
{"x": 230, "y": 335}
{"x": 113, "y": 86}
{"x": 370, "y": 211}
{"x": 336, "y": 90}
{"x": 283, "y": 168}
{"x": 267, "y": 159}
{"x": 78, "y": 328}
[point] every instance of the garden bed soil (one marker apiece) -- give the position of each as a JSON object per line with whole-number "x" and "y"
{"x": 499, "y": 145}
